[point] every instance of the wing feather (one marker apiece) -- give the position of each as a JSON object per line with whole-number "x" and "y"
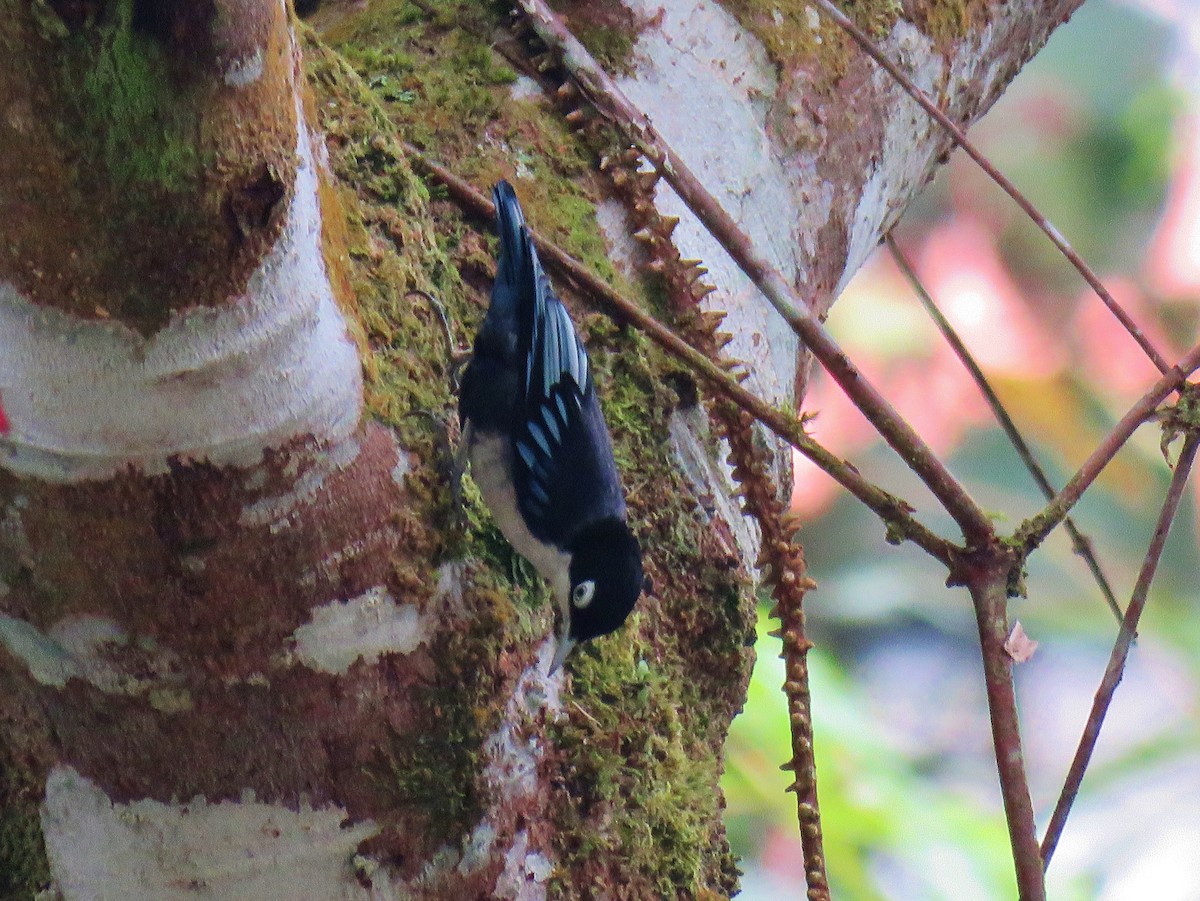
{"x": 551, "y": 421}
{"x": 563, "y": 462}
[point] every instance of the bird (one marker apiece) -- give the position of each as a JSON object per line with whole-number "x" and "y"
{"x": 538, "y": 446}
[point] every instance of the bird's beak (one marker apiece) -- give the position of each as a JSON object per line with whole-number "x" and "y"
{"x": 565, "y": 645}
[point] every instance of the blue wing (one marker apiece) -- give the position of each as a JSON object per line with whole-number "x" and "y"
{"x": 562, "y": 454}
{"x": 563, "y": 464}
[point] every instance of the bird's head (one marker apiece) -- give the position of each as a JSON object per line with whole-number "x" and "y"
{"x": 606, "y": 579}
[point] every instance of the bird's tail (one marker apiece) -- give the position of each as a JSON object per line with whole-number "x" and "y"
{"x": 515, "y": 247}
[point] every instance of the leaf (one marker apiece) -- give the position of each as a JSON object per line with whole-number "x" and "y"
{"x": 1020, "y": 647}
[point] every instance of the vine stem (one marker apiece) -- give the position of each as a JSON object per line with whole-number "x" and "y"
{"x": 1120, "y": 652}
{"x": 603, "y": 93}
{"x": 1047, "y": 228}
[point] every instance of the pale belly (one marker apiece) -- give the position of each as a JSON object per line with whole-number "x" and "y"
{"x": 491, "y": 461}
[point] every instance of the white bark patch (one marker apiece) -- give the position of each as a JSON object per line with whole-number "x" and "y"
{"x": 99, "y": 849}
{"x": 87, "y": 399}
{"x": 402, "y": 468}
{"x": 12, "y": 528}
{"x": 327, "y": 568}
{"x": 449, "y": 599}
{"x": 707, "y": 84}
{"x": 525, "y": 874}
{"x": 514, "y": 750}
{"x": 366, "y": 627}
{"x": 617, "y": 225}
{"x": 906, "y": 151}
{"x": 525, "y": 88}
{"x": 710, "y": 481}
{"x": 97, "y": 650}
{"x": 275, "y": 512}
{"x": 245, "y": 71}
{"x": 47, "y": 661}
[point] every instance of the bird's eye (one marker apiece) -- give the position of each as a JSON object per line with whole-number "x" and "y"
{"x": 581, "y": 594}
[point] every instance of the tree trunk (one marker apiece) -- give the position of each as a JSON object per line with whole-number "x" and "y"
{"x": 244, "y": 647}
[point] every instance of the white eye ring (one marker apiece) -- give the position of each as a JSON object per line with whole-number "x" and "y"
{"x": 582, "y": 594}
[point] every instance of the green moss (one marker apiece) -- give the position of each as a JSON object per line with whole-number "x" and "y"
{"x": 137, "y": 121}
{"x": 48, "y": 24}
{"x": 651, "y": 775}
{"x": 437, "y": 81}
{"x": 796, "y": 36}
{"x": 947, "y": 21}
{"x": 876, "y": 16}
{"x": 611, "y": 45}
{"x": 642, "y": 776}
{"x": 431, "y": 769}
{"x": 786, "y": 28}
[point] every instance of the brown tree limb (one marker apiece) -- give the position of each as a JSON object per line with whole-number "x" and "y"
{"x": 987, "y": 580}
{"x": 1120, "y": 652}
{"x": 1044, "y": 224}
{"x": 1032, "y": 532}
{"x": 611, "y": 102}
{"x": 1080, "y": 542}
{"x": 894, "y": 511}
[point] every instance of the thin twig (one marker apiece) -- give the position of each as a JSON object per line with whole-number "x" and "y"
{"x": 1031, "y": 532}
{"x": 1080, "y": 542}
{"x": 894, "y": 511}
{"x": 1120, "y": 651}
{"x": 1047, "y": 228}
{"x": 988, "y": 584}
{"x": 608, "y": 99}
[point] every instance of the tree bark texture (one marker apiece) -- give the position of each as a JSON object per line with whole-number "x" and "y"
{"x": 245, "y": 648}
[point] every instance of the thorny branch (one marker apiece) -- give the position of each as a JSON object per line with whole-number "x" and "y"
{"x": 1048, "y": 229}
{"x": 608, "y": 99}
{"x": 1080, "y": 542}
{"x": 1120, "y": 651}
{"x": 781, "y": 559}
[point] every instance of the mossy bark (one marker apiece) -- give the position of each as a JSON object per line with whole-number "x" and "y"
{"x": 118, "y": 124}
